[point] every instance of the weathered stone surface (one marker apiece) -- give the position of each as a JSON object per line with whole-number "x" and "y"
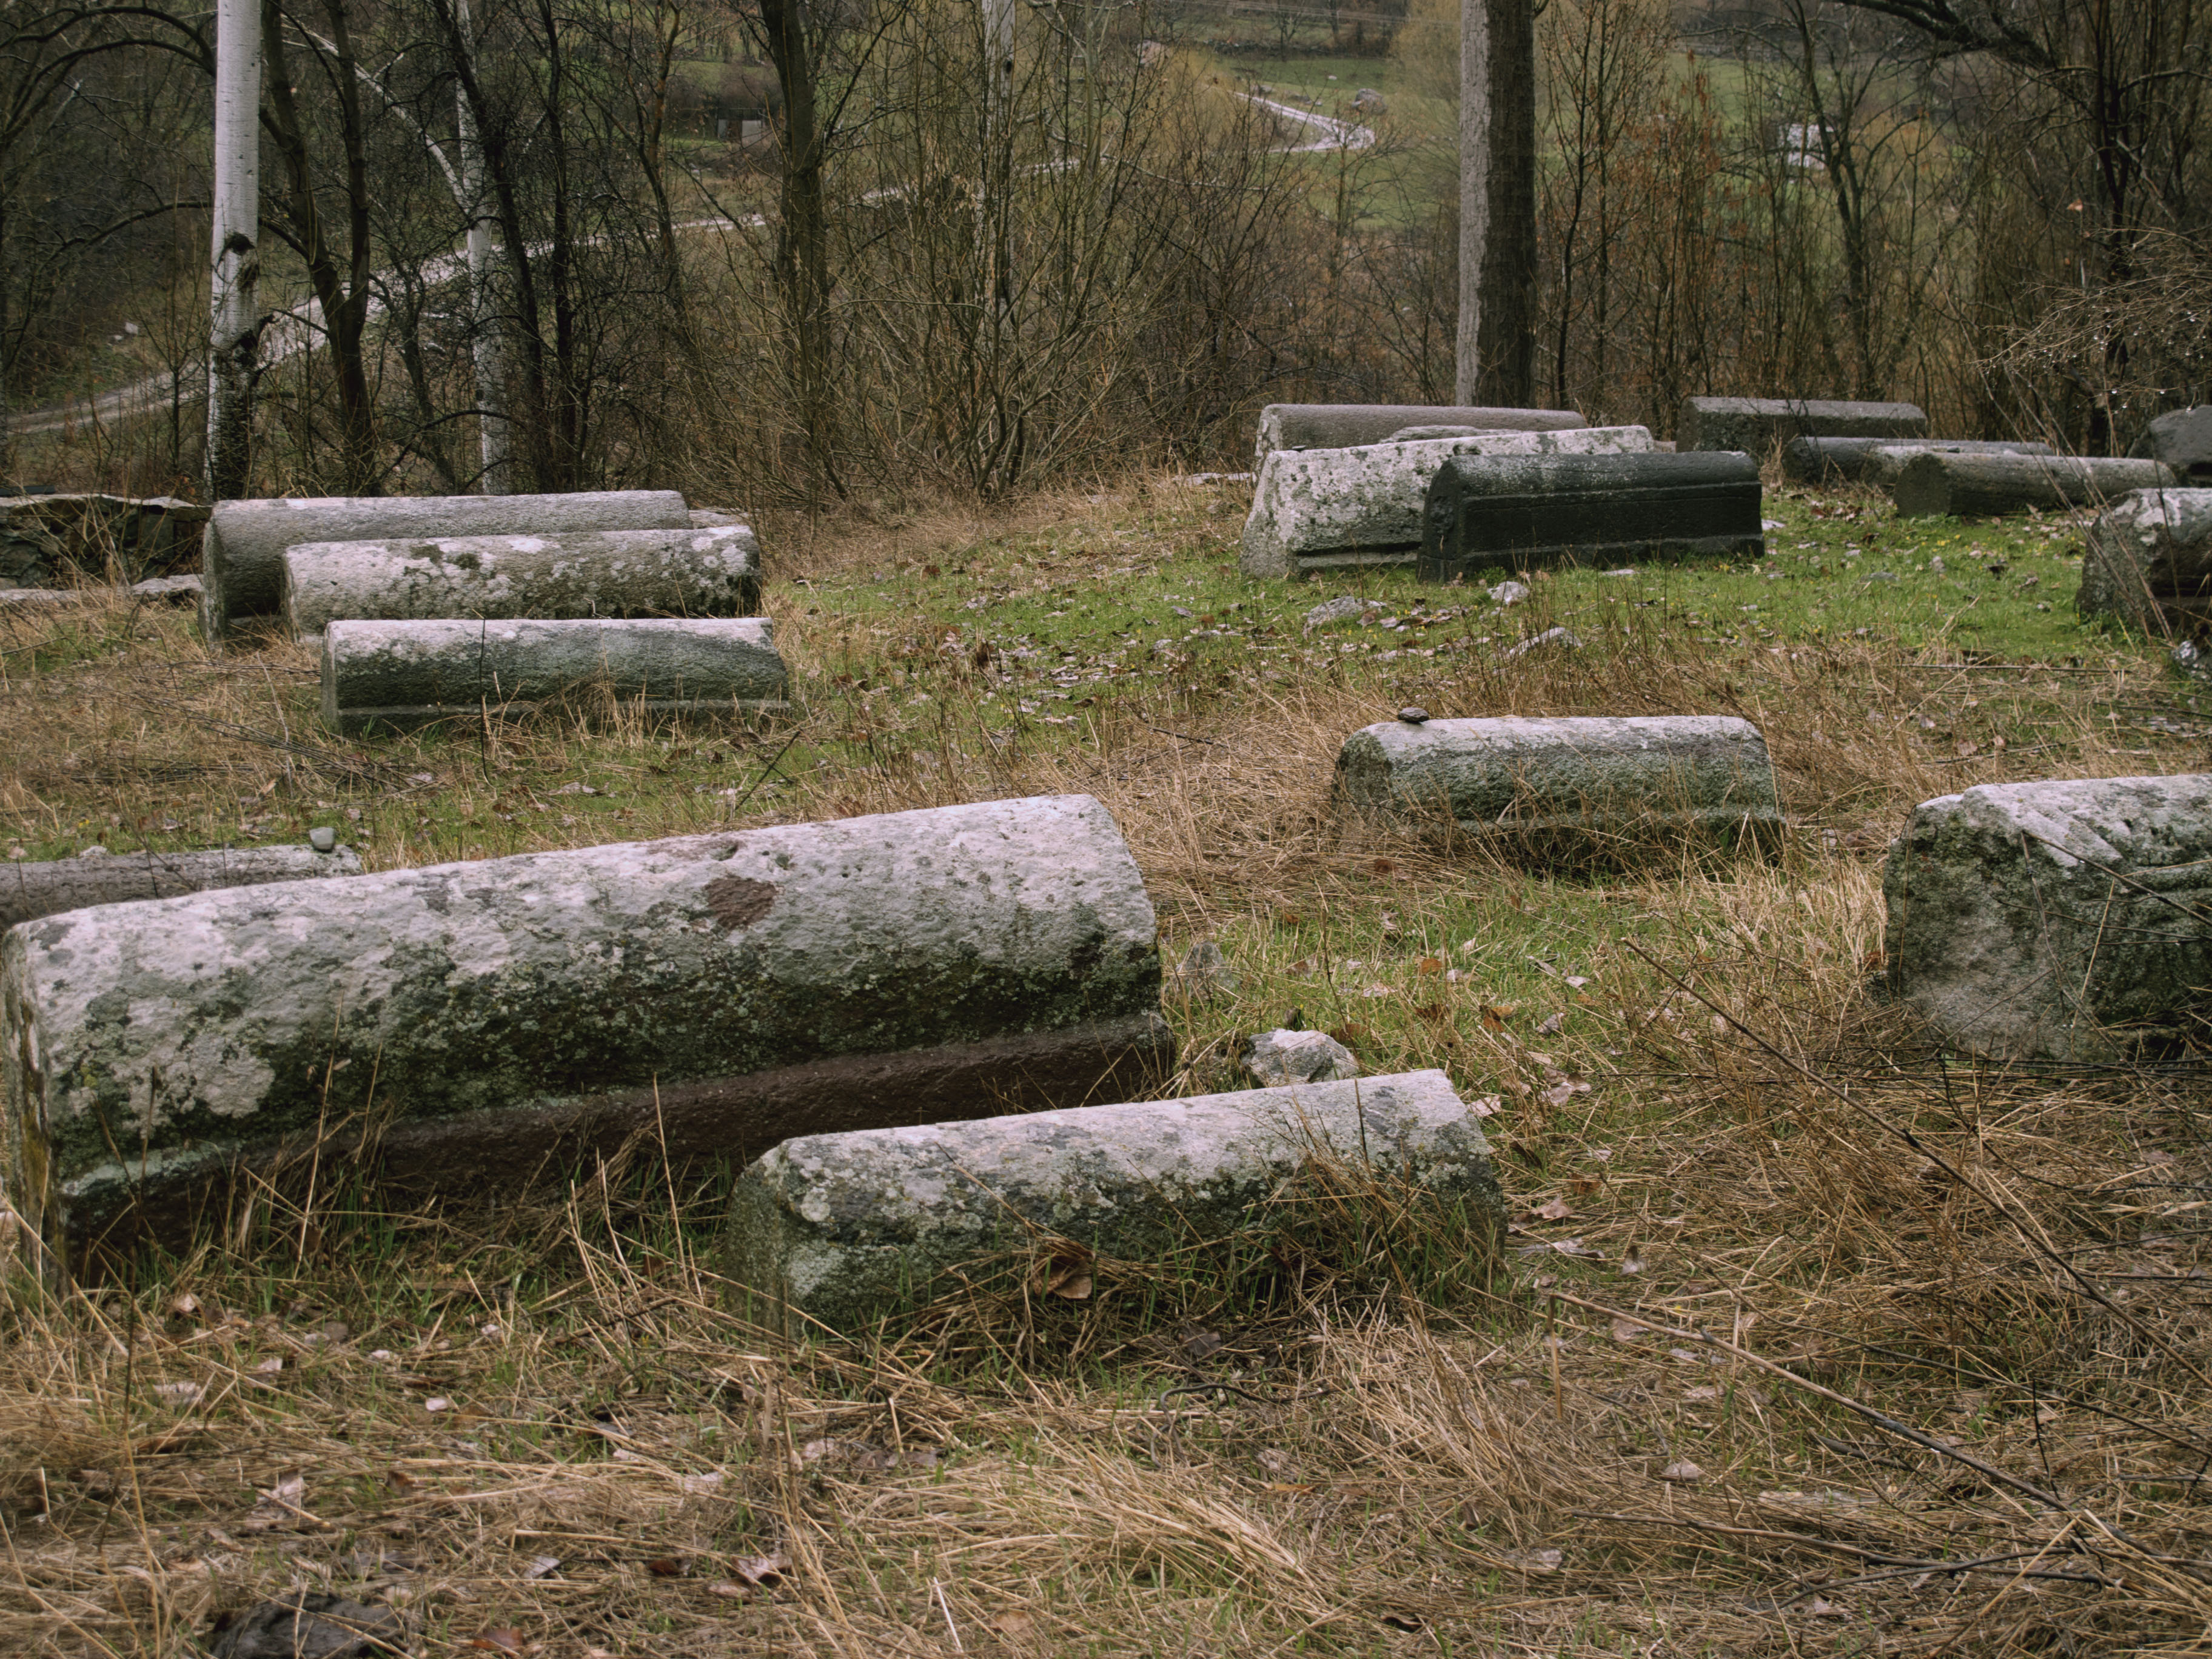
{"x": 242, "y": 554}
{"x": 2181, "y": 439}
{"x": 1489, "y": 516}
{"x": 716, "y": 994}
{"x": 846, "y": 1228}
{"x": 2149, "y": 561}
{"x": 712, "y": 518}
{"x": 1976, "y": 486}
{"x": 97, "y": 875}
{"x": 1281, "y": 1060}
{"x": 2065, "y": 920}
{"x": 396, "y": 676}
{"x": 54, "y": 541}
{"x": 1756, "y": 425}
{"x": 1876, "y": 462}
{"x": 1596, "y": 775}
{"x": 593, "y": 573}
{"x": 1343, "y": 426}
{"x": 161, "y": 590}
{"x": 1320, "y": 509}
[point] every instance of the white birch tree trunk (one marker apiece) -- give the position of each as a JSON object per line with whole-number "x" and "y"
{"x": 487, "y": 339}
{"x": 1473, "y": 192}
{"x": 236, "y": 250}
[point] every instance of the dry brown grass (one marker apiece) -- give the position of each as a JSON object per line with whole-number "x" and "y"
{"x": 1713, "y": 1143}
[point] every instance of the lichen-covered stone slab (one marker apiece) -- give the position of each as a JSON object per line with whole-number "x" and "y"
{"x": 714, "y": 572}
{"x": 1876, "y": 462}
{"x": 1344, "y": 426}
{"x": 716, "y": 992}
{"x": 242, "y": 553}
{"x": 97, "y": 875}
{"x": 396, "y": 676}
{"x": 2068, "y": 919}
{"x": 1756, "y": 425}
{"x": 1326, "y": 509}
{"x": 1940, "y": 486}
{"x": 844, "y": 1229}
{"x": 1488, "y": 515}
{"x": 2149, "y": 561}
{"x": 1587, "y": 775}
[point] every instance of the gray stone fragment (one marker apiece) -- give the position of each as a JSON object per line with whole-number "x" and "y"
{"x": 54, "y": 541}
{"x": 170, "y": 590}
{"x": 308, "y": 1625}
{"x": 1342, "y": 425}
{"x": 712, "y": 518}
{"x": 99, "y": 877}
{"x": 323, "y": 839}
{"x": 583, "y": 573}
{"x": 1757, "y": 425}
{"x": 1877, "y": 461}
{"x": 1560, "y": 639}
{"x": 1509, "y": 592}
{"x": 2065, "y": 920}
{"x": 1582, "y": 775}
{"x": 1280, "y": 1059}
{"x": 1413, "y": 715}
{"x": 1202, "y": 971}
{"x": 2191, "y": 660}
{"x": 1418, "y": 434}
{"x": 2149, "y": 561}
{"x": 1979, "y": 486}
{"x": 1488, "y": 514}
{"x": 396, "y": 676}
{"x": 845, "y": 1229}
{"x": 2181, "y": 439}
{"x": 715, "y": 994}
{"x": 1322, "y": 509}
{"x": 1343, "y": 609}
{"x": 242, "y": 555}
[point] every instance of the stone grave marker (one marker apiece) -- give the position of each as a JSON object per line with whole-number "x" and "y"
{"x": 397, "y": 676}
{"x": 1756, "y": 425}
{"x": 1876, "y": 462}
{"x": 1937, "y": 485}
{"x": 467, "y": 1027}
{"x": 1346, "y": 426}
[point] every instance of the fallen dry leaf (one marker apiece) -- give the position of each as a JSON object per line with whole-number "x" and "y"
{"x": 760, "y": 1569}
{"x": 725, "y": 1588}
{"x": 502, "y": 1640}
{"x": 1557, "y": 1209}
{"x": 1627, "y": 1330}
{"x": 1683, "y": 1473}
{"x": 665, "y": 1566}
{"x": 1013, "y": 1624}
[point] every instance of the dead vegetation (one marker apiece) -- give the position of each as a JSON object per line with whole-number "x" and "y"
{"x": 1813, "y": 1339}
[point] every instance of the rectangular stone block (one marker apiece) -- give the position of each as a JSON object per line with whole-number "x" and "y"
{"x": 846, "y": 1229}
{"x": 1990, "y": 486}
{"x": 1756, "y": 425}
{"x": 594, "y": 572}
{"x": 1876, "y": 462}
{"x": 467, "y": 1027}
{"x": 242, "y": 554}
{"x": 1346, "y": 426}
{"x": 99, "y": 877}
{"x": 397, "y": 676}
{"x": 2068, "y": 919}
{"x": 1580, "y": 776}
{"x": 2149, "y": 563}
{"x": 1328, "y": 509}
{"x": 1486, "y": 516}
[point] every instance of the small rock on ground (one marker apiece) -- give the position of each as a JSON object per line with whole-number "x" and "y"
{"x": 1509, "y": 592}
{"x": 1328, "y": 614}
{"x": 312, "y": 1627}
{"x": 1279, "y": 1058}
{"x": 1550, "y": 636}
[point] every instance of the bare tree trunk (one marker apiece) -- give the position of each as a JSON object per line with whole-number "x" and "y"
{"x": 1473, "y": 190}
{"x": 1506, "y": 312}
{"x": 487, "y": 335}
{"x": 802, "y": 254}
{"x": 235, "y": 252}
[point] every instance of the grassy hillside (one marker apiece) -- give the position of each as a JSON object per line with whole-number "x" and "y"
{"x": 537, "y": 1431}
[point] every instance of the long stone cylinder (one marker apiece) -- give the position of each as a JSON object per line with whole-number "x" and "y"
{"x": 1990, "y": 486}
{"x": 2149, "y": 561}
{"x": 604, "y": 573}
{"x": 1487, "y": 516}
{"x": 1756, "y": 424}
{"x": 1342, "y": 425}
{"x": 713, "y": 994}
{"x": 99, "y": 877}
{"x": 1594, "y": 775}
{"x": 242, "y": 550}
{"x": 1326, "y": 509}
{"x": 846, "y": 1228}
{"x": 396, "y": 676}
{"x": 1877, "y": 461}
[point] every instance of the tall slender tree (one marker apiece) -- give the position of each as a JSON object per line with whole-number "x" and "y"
{"x": 1497, "y": 344}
